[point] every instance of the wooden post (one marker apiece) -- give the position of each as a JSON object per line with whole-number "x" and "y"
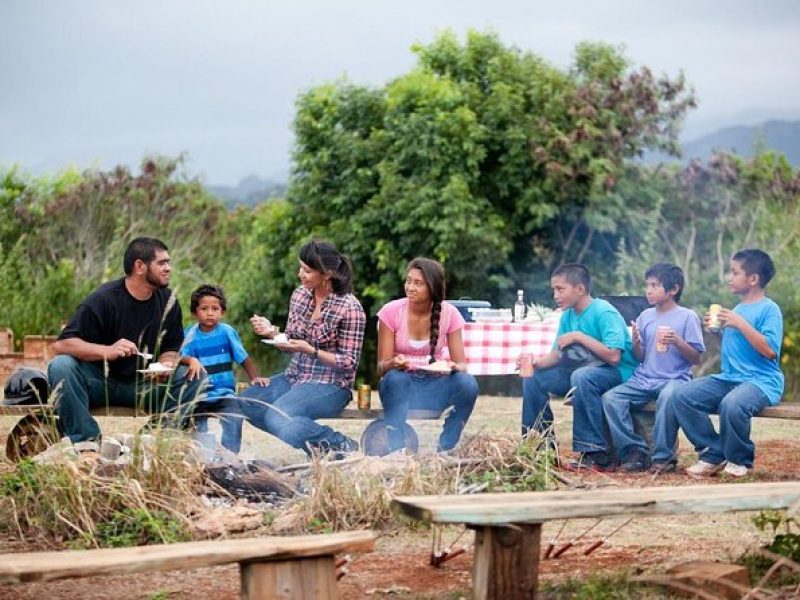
{"x": 506, "y": 564}
{"x": 294, "y": 579}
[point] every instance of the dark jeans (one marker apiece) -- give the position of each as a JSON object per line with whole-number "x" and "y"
{"x": 404, "y": 390}
{"x": 81, "y": 386}
{"x": 736, "y": 403}
{"x": 226, "y": 409}
{"x": 588, "y": 421}
{"x": 288, "y": 411}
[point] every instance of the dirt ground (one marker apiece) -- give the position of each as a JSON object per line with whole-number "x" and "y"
{"x": 399, "y": 567}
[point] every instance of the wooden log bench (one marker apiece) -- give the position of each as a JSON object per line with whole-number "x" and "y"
{"x": 508, "y": 526}
{"x": 270, "y": 567}
{"x": 36, "y": 428}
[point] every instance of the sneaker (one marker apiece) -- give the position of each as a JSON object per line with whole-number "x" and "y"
{"x": 600, "y": 462}
{"x": 637, "y": 461}
{"x": 704, "y": 469}
{"x": 735, "y": 470}
{"x": 661, "y": 467}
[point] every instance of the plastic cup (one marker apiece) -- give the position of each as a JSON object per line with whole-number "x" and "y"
{"x": 661, "y": 346}
{"x": 526, "y": 364}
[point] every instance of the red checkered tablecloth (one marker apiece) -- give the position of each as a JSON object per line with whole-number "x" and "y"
{"x": 493, "y": 348}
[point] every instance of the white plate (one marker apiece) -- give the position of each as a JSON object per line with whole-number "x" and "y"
{"x": 157, "y": 371}
{"x": 274, "y": 342}
{"x": 435, "y": 369}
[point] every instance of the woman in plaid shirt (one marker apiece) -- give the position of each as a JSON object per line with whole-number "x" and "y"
{"x": 325, "y": 331}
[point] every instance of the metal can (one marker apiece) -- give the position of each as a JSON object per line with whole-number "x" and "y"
{"x": 364, "y": 397}
{"x": 660, "y": 345}
{"x": 713, "y": 318}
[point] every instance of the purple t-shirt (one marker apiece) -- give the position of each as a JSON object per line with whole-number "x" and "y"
{"x": 658, "y": 368}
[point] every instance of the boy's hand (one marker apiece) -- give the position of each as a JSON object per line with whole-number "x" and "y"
{"x": 262, "y": 381}
{"x": 636, "y": 335}
{"x": 194, "y": 369}
{"x": 670, "y": 336}
{"x": 729, "y": 318}
{"x": 574, "y": 337}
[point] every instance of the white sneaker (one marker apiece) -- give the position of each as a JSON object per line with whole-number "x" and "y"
{"x": 704, "y": 469}
{"x": 735, "y": 470}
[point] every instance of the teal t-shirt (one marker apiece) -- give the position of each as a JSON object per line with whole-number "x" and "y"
{"x": 741, "y": 362}
{"x": 603, "y": 322}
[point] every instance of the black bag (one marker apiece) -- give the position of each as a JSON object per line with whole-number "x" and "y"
{"x": 576, "y": 356}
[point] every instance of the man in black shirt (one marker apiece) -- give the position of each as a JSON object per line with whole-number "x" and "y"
{"x": 99, "y": 352}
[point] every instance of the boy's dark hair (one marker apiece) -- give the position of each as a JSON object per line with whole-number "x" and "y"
{"x": 667, "y": 275}
{"x": 142, "y": 248}
{"x": 574, "y": 273}
{"x": 756, "y": 262}
{"x": 204, "y": 290}
{"x": 326, "y": 258}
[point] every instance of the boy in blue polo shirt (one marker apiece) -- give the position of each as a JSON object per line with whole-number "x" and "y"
{"x": 598, "y": 327}
{"x": 214, "y": 347}
{"x": 750, "y": 379}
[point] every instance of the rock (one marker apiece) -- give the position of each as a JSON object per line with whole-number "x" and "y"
{"x": 286, "y": 523}
{"x": 110, "y": 449}
{"x": 720, "y": 579}
{"x": 218, "y": 521}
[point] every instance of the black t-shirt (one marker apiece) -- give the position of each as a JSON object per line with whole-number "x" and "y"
{"x": 110, "y": 313}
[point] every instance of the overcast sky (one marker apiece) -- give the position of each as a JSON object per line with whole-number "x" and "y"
{"x": 105, "y": 81}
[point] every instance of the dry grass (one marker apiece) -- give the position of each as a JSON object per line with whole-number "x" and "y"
{"x": 357, "y": 493}
{"x": 74, "y": 500}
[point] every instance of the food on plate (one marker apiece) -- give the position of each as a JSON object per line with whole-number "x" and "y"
{"x": 440, "y": 366}
{"x": 158, "y": 367}
{"x": 281, "y": 338}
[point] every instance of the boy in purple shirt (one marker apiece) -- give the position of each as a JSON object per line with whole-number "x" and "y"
{"x": 667, "y": 340}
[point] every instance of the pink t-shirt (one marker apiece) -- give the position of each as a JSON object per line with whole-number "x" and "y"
{"x": 394, "y": 315}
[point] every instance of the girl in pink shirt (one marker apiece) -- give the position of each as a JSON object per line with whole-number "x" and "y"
{"x": 413, "y": 333}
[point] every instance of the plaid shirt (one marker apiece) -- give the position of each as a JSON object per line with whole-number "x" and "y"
{"x": 338, "y": 329}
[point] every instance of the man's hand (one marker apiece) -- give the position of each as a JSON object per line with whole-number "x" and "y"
{"x": 122, "y": 348}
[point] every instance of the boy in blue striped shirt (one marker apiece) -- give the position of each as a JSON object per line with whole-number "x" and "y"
{"x": 212, "y": 346}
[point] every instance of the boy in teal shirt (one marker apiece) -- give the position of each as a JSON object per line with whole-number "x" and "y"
{"x": 598, "y": 327}
{"x": 750, "y": 379}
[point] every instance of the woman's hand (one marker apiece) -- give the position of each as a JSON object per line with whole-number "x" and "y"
{"x": 398, "y": 361}
{"x": 301, "y": 346}
{"x": 262, "y": 381}
{"x": 262, "y": 326}
{"x": 456, "y": 366}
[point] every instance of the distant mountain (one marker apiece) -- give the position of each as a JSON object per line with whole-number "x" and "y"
{"x": 744, "y": 140}
{"x": 250, "y": 190}
{"x": 781, "y": 136}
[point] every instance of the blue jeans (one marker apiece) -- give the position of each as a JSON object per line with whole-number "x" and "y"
{"x": 288, "y": 411}
{"x": 226, "y": 409}
{"x": 401, "y": 391}
{"x": 621, "y": 401}
{"x": 83, "y": 385}
{"x": 588, "y": 422}
{"x": 735, "y": 403}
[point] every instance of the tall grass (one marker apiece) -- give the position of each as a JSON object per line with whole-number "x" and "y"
{"x": 77, "y": 501}
{"x": 358, "y": 494}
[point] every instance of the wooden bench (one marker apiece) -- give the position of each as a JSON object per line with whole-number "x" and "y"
{"x": 36, "y": 430}
{"x": 270, "y": 567}
{"x": 508, "y": 526}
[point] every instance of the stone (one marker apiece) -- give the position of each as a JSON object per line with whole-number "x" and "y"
{"x": 722, "y": 580}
